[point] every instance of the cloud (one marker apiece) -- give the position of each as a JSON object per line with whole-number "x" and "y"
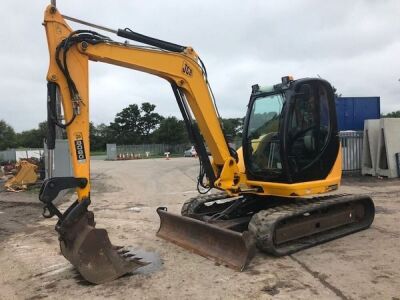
{"x": 353, "y": 44}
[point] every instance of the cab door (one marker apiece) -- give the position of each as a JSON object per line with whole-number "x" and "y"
{"x": 310, "y": 144}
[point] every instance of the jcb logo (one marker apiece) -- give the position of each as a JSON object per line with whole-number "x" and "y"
{"x": 187, "y": 70}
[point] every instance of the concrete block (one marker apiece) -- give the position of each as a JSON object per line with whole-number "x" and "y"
{"x": 111, "y": 151}
{"x": 370, "y": 147}
{"x": 388, "y": 146}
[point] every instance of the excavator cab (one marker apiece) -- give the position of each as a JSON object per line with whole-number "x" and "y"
{"x": 290, "y": 149}
{"x": 290, "y": 132}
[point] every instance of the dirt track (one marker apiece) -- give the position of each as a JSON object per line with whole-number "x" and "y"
{"x": 365, "y": 265}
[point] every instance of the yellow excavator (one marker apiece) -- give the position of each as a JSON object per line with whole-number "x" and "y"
{"x": 264, "y": 197}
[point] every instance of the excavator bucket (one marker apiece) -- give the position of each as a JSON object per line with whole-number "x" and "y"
{"x": 224, "y": 246}
{"x": 89, "y": 249}
{"x": 26, "y": 175}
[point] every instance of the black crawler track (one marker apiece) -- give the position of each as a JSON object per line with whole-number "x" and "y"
{"x": 285, "y": 225}
{"x": 194, "y": 205}
{"x": 357, "y": 213}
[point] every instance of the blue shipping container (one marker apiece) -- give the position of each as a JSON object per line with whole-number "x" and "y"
{"x": 352, "y": 111}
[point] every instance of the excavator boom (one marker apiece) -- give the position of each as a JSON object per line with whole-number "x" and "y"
{"x": 86, "y": 247}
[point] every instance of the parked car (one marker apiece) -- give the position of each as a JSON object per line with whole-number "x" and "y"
{"x": 190, "y": 152}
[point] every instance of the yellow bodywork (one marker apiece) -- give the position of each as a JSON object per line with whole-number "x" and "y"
{"x": 173, "y": 67}
{"x": 331, "y": 182}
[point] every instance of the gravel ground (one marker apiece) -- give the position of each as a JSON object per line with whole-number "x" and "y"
{"x": 365, "y": 265}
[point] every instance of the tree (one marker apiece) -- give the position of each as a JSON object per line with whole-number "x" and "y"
{"x": 134, "y": 125}
{"x": 149, "y": 120}
{"x": 32, "y": 138}
{"x": 100, "y": 135}
{"x": 106, "y": 133}
{"x": 393, "y": 114}
{"x": 233, "y": 127}
{"x": 97, "y": 142}
{"x": 171, "y": 131}
{"x": 337, "y": 95}
{"x": 126, "y": 125}
{"x": 7, "y": 136}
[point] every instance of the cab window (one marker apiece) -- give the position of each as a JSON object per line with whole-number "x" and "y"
{"x": 308, "y": 126}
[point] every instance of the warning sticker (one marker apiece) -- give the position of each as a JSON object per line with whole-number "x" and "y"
{"x": 80, "y": 148}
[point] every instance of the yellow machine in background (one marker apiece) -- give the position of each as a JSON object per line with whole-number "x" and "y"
{"x": 290, "y": 150}
{"x": 26, "y": 175}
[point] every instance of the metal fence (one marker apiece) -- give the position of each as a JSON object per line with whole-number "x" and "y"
{"x": 8, "y": 155}
{"x": 352, "y": 146}
{"x": 351, "y": 141}
{"x": 143, "y": 150}
{"x": 17, "y": 154}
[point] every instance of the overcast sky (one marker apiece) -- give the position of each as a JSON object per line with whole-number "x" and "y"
{"x": 353, "y": 44}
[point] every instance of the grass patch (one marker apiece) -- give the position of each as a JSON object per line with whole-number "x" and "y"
{"x": 98, "y": 153}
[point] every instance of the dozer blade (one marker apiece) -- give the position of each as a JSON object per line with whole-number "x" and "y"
{"x": 224, "y": 246}
{"x": 89, "y": 249}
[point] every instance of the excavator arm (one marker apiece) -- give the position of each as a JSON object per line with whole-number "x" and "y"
{"x": 70, "y": 52}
